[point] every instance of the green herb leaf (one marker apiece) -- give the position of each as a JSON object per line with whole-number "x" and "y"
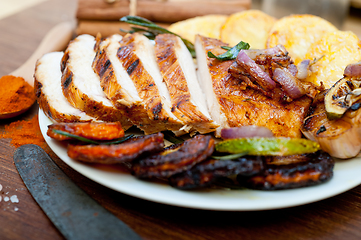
{"x": 230, "y": 156}
{"x": 153, "y": 30}
{"x": 231, "y": 53}
{"x": 172, "y": 138}
{"x": 87, "y": 140}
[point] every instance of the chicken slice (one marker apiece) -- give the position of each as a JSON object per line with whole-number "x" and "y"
{"x": 232, "y": 104}
{"x": 178, "y": 71}
{"x": 49, "y": 94}
{"x": 81, "y": 86}
{"x": 137, "y": 57}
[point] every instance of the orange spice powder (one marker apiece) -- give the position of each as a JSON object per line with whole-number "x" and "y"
{"x": 24, "y": 132}
{"x": 15, "y": 94}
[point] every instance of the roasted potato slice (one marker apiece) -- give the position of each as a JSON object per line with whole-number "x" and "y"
{"x": 208, "y": 26}
{"x": 297, "y": 33}
{"x": 333, "y": 52}
{"x": 250, "y": 26}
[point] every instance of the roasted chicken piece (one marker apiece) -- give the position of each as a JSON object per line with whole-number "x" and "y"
{"x": 232, "y": 104}
{"x": 95, "y": 131}
{"x": 175, "y": 159}
{"x": 81, "y": 86}
{"x": 292, "y": 172}
{"x": 177, "y": 68}
{"x": 136, "y": 68}
{"x": 117, "y": 153}
{"x": 47, "y": 86}
{"x": 211, "y": 170}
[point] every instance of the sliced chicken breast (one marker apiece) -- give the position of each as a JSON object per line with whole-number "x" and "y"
{"x": 178, "y": 70}
{"x": 232, "y": 105}
{"x": 137, "y": 57}
{"x": 81, "y": 85}
{"x": 49, "y": 93}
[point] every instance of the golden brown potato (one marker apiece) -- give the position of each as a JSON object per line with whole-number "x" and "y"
{"x": 250, "y": 26}
{"x": 334, "y": 51}
{"x": 297, "y": 33}
{"x": 208, "y": 26}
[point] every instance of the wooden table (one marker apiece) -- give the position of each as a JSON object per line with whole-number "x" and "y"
{"x": 335, "y": 218}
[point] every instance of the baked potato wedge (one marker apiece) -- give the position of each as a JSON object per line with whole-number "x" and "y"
{"x": 297, "y": 33}
{"x": 208, "y": 26}
{"x": 250, "y": 26}
{"x": 334, "y": 51}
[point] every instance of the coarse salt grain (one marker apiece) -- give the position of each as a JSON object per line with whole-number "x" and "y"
{"x": 14, "y": 199}
{"x": 1, "y": 187}
{"x": 6, "y": 199}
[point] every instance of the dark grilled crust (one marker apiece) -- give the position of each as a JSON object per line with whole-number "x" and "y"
{"x": 182, "y": 107}
{"x": 175, "y": 160}
{"x": 117, "y": 153}
{"x": 48, "y": 110}
{"x": 310, "y": 170}
{"x": 209, "y": 171}
{"x": 83, "y": 102}
{"x": 245, "y": 106}
{"x": 147, "y": 90}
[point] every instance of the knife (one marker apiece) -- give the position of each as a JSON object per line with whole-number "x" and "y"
{"x": 72, "y": 211}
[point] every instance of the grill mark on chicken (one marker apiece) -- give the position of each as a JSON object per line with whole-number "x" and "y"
{"x": 104, "y": 68}
{"x": 175, "y": 159}
{"x": 208, "y": 172}
{"x": 132, "y": 67}
{"x": 68, "y": 80}
{"x": 242, "y": 105}
{"x": 49, "y": 93}
{"x": 170, "y": 55}
{"x": 292, "y": 172}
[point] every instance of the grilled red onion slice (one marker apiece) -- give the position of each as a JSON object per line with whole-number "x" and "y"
{"x": 292, "y": 69}
{"x": 275, "y": 51}
{"x": 303, "y": 69}
{"x": 353, "y": 70}
{"x": 245, "y": 132}
{"x": 252, "y": 68}
{"x": 290, "y": 84}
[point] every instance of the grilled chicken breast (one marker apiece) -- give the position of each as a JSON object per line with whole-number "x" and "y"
{"x": 49, "y": 93}
{"x": 153, "y": 113}
{"x": 81, "y": 86}
{"x": 231, "y": 104}
{"x": 177, "y": 68}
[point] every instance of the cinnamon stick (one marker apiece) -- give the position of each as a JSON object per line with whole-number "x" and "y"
{"x": 158, "y": 11}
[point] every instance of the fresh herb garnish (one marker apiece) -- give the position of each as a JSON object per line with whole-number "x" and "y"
{"x": 87, "y": 140}
{"x": 172, "y": 138}
{"x": 232, "y": 53}
{"x": 151, "y": 30}
{"x": 230, "y": 156}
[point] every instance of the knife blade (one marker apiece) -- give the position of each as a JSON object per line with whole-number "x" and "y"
{"x": 72, "y": 211}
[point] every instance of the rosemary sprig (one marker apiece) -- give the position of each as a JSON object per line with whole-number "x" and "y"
{"x": 87, "y": 140}
{"x": 231, "y": 53}
{"x": 151, "y": 30}
{"x": 230, "y": 156}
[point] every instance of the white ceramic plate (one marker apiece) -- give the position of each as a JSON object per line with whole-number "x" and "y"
{"x": 347, "y": 174}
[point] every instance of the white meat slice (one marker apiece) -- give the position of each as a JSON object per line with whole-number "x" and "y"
{"x": 49, "y": 93}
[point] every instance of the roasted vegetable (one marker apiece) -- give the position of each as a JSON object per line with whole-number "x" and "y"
{"x": 117, "y": 153}
{"x": 277, "y": 146}
{"x": 291, "y": 172}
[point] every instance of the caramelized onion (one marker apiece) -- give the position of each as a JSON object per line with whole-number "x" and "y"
{"x": 290, "y": 84}
{"x": 245, "y": 132}
{"x": 353, "y": 70}
{"x": 303, "y": 69}
{"x": 277, "y": 50}
{"x": 252, "y": 68}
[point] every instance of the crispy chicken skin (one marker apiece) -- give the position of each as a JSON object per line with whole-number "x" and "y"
{"x": 50, "y": 97}
{"x": 232, "y": 104}
{"x": 81, "y": 85}
{"x": 137, "y": 56}
{"x": 175, "y": 159}
{"x": 117, "y": 153}
{"x": 95, "y": 130}
{"x": 178, "y": 70}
